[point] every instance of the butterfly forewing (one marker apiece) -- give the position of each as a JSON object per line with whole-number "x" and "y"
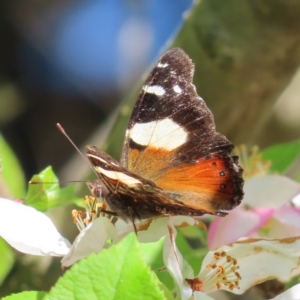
{"x": 171, "y": 140}
{"x": 173, "y": 160}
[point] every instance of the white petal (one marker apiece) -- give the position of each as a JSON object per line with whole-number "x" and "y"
{"x": 279, "y": 230}
{"x": 201, "y": 296}
{"x": 260, "y": 260}
{"x": 183, "y": 221}
{"x": 148, "y": 230}
{"x": 291, "y": 294}
{"x": 288, "y": 214}
{"x": 91, "y": 240}
{"x": 30, "y": 231}
{"x": 157, "y": 228}
{"x": 124, "y": 228}
{"x": 174, "y": 262}
{"x": 223, "y": 231}
{"x": 269, "y": 191}
{"x": 154, "y": 229}
{"x": 296, "y": 200}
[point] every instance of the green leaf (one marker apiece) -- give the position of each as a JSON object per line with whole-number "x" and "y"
{"x": 36, "y": 195}
{"x": 32, "y": 295}
{"x": 62, "y": 196}
{"x": 153, "y": 255}
{"x": 297, "y": 175}
{"x": 12, "y": 173}
{"x": 7, "y": 260}
{"x": 282, "y": 156}
{"x": 193, "y": 255}
{"x": 293, "y": 281}
{"x": 117, "y": 273}
{"x": 191, "y": 242}
{"x": 48, "y": 195}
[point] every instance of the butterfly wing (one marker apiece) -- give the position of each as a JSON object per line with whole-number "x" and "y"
{"x": 171, "y": 140}
{"x": 129, "y": 195}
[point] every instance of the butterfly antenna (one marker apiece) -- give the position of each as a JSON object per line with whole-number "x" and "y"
{"x": 77, "y": 149}
{"x": 54, "y": 182}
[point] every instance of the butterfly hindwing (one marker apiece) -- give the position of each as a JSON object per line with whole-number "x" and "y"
{"x": 129, "y": 195}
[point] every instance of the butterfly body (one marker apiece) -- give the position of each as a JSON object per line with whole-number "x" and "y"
{"x": 173, "y": 161}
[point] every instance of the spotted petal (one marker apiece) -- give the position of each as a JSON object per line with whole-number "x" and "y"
{"x": 275, "y": 258}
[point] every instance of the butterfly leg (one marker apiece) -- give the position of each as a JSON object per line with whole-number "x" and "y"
{"x": 132, "y": 219}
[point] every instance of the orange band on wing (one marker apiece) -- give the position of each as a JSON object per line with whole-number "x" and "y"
{"x": 207, "y": 184}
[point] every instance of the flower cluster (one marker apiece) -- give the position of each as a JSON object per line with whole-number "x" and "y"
{"x": 268, "y": 210}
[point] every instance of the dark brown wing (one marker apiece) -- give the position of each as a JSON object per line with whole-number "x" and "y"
{"x": 129, "y": 195}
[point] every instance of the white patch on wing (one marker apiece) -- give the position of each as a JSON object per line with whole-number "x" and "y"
{"x": 103, "y": 160}
{"x": 177, "y": 89}
{"x": 154, "y": 89}
{"x": 130, "y": 181}
{"x": 160, "y": 65}
{"x": 98, "y": 158}
{"x": 159, "y": 134}
{"x": 236, "y": 167}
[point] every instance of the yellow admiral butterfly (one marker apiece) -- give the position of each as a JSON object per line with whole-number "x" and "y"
{"x": 173, "y": 161}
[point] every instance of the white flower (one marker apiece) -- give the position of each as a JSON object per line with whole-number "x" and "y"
{"x": 104, "y": 231}
{"x": 30, "y": 231}
{"x": 267, "y": 203}
{"x": 234, "y": 268}
{"x": 92, "y": 239}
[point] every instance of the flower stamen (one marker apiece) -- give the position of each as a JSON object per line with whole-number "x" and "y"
{"x": 78, "y": 219}
{"x": 195, "y": 284}
{"x": 221, "y": 272}
{"x": 93, "y": 209}
{"x": 252, "y": 162}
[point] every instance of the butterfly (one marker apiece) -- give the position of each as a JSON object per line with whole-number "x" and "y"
{"x": 173, "y": 161}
